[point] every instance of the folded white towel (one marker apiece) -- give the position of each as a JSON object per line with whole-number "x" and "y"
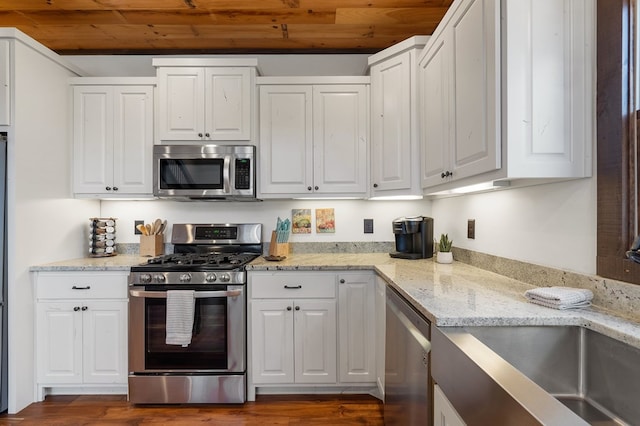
{"x": 560, "y": 297}
{"x": 179, "y": 321}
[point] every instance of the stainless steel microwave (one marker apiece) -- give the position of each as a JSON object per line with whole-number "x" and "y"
{"x": 204, "y": 172}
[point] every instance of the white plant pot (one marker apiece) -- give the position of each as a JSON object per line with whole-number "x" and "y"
{"x": 444, "y": 257}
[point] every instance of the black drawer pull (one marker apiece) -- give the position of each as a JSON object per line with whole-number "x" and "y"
{"x": 75, "y": 287}
{"x": 292, "y": 287}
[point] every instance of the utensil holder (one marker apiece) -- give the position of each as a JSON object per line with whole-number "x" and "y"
{"x": 276, "y": 248}
{"x": 151, "y": 245}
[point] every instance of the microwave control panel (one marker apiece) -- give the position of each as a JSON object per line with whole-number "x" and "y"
{"x": 243, "y": 173}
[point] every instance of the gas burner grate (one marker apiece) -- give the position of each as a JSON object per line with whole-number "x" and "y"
{"x": 221, "y": 260}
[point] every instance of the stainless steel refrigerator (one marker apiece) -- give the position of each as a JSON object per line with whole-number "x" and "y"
{"x": 4, "y": 353}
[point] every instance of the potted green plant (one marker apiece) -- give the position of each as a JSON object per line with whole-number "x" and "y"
{"x": 444, "y": 254}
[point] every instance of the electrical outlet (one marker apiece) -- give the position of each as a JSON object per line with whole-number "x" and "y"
{"x": 368, "y": 226}
{"x": 135, "y": 226}
{"x": 471, "y": 229}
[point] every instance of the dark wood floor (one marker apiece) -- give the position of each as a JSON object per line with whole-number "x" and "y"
{"x": 267, "y": 410}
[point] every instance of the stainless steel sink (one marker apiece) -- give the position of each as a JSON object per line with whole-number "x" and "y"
{"x": 548, "y": 375}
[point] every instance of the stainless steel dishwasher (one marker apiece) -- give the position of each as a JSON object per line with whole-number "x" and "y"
{"x": 407, "y": 399}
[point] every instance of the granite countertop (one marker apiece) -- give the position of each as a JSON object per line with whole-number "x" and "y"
{"x": 458, "y": 294}
{"x": 111, "y": 263}
{"x": 448, "y": 295}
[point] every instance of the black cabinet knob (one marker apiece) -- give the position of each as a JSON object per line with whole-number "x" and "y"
{"x": 297, "y": 308}
{"x": 76, "y": 308}
{"x": 316, "y": 188}
{"x": 342, "y": 281}
{"x": 375, "y": 185}
{"x": 115, "y": 188}
{"x": 308, "y": 188}
{"x": 288, "y": 308}
{"x": 84, "y": 308}
{"x": 446, "y": 174}
{"x": 108, "y": 188}
{"x": 206, "y": 134}
{"x": 199, "y": 135}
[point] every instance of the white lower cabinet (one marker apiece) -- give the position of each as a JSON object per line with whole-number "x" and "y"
{"x": 357, "y": 334}
{"x": 310, "y": 332}
{"x": 443, "y": 412}
{"x": 81, "y": 333}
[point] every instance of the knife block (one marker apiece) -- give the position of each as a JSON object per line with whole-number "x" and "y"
{"x": 151, "y": 245}
{"x": 277, "y": 249}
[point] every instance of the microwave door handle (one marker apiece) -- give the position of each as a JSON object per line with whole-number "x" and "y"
{"x": 226, "y": 175}
{"x": 198, "y": 294}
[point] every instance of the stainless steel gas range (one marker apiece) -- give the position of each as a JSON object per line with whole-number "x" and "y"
{"x": 197, "y": 296}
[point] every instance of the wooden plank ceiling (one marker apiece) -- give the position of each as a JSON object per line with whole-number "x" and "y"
{"x": 221, "y": 26}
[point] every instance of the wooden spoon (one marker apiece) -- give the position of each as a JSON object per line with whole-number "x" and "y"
{"x": 148, "y": 226}
{"x": 156, "y": 226}
{"x": 142, "y": 229}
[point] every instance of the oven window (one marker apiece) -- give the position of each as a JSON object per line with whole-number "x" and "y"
{"x": 192, "y": 174}
{"x": 208, "y": 348}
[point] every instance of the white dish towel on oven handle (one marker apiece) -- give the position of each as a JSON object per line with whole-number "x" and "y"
{"x": 180, "y": 312}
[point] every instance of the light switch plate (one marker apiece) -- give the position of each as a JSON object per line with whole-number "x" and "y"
{"x": 471, "y": 229}
{"x": 135, "y": 224}
{"x": 368, "y": 226}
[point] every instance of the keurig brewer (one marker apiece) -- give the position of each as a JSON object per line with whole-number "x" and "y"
{"x": 414, "y": 237}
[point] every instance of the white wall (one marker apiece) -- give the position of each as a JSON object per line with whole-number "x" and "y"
{"x": 268, "y": 65}
{"x": 349, "y": 216}
{"x": 551, "y": 225}
{"x": 44, "y": 223}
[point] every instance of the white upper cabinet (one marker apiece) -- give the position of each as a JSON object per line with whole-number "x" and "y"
{"x": 313, "y": 138}
{"x": 5, "y": 83}
{"x": 507, "y": 92}
{"x": 112, "y": 137}
{"x": 395, "y": 145}
{"x": 212, "y": 101}
{"x": 459, "y": 90}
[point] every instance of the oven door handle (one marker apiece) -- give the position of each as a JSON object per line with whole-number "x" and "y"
{"x": 198, "y": 294}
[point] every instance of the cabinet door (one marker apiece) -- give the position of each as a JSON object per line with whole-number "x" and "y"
{"x": 59, "y": 343}
{"x": 105, "y": 342}
{"x": 133, "y": 139}
{"x": 272, "y": 341}
{"x": 433, "y": 71}
{"x": 181, "y": 103}
{"x": 443, "y": 412}
{"x": 286, "y": 140}
{"x": 5, "y": 83}
{"x": 93, "y": 139}
{"x": 340, "y": 139}
{"x": 357, "y": 323}
{"x": 391, "y": 123}
{"x": 315, "y": 341}
{"x": 228, "y": 103}
{"x": 476, "y": 88}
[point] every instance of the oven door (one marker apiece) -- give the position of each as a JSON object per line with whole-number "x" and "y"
{"x": 218, "y": 340}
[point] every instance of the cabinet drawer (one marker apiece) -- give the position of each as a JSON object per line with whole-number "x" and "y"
{"x": 81, "y": 286}
{"x": 295, "y": 285}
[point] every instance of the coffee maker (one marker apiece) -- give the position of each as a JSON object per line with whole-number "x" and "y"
{"x": 414, "y": 237}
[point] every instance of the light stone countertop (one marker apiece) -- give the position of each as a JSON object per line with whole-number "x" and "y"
{"x": 458, "y": 294}
{"x": 111, "y": 263}
{"x": 448, "y": 295}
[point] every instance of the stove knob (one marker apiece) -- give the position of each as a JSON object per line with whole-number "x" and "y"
{"x": 159, "y": 278}
{"x": 185, "y": 278}
{"x": 225, "y": 278}
{"x": 145, "y": 278}
{"x": 210, "y": 278}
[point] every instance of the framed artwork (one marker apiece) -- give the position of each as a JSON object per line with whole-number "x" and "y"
{"x": 325, "y": 221}
{"x": 301, "y": 221}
